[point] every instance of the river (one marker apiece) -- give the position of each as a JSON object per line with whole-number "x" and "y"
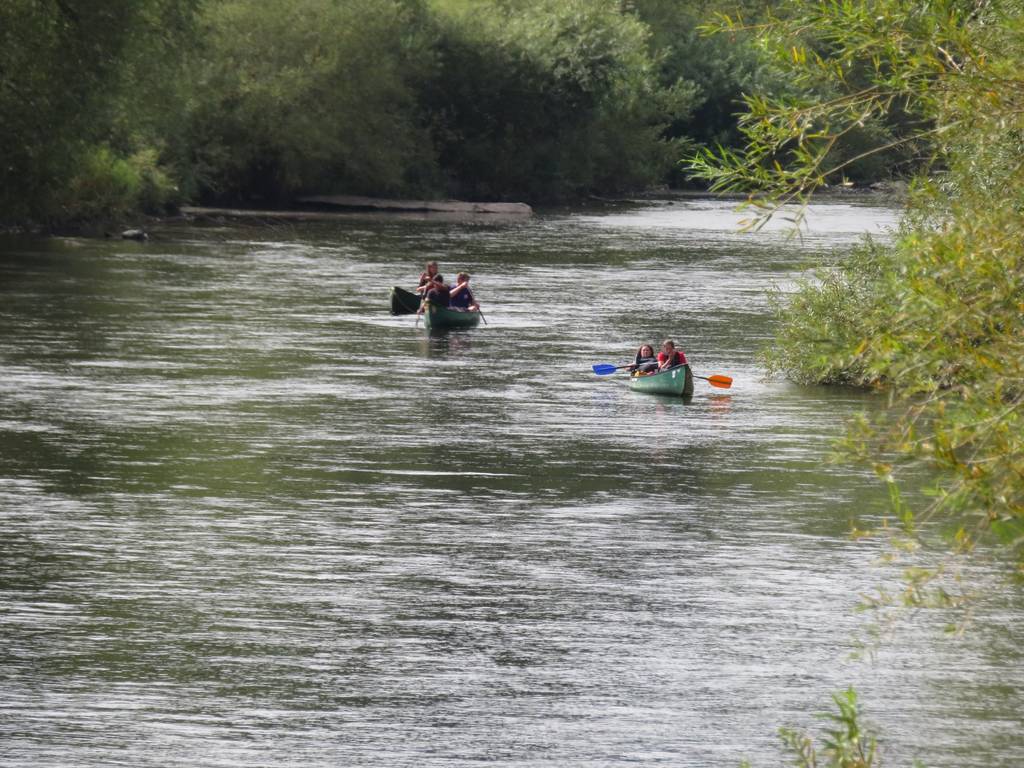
{"x": 251, "y": 519}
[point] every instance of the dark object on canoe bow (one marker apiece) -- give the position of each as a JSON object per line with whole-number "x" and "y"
{"x": 404, "y": 302}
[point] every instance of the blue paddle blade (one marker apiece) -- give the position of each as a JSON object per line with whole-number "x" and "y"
{"x": 603, "y": 369}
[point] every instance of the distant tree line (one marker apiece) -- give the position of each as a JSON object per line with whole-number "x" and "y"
{"x": 113, "y": 106}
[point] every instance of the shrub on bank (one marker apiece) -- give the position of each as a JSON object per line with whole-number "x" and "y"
{"x": 938, "y": 318}
{"x": 105, "y": 187}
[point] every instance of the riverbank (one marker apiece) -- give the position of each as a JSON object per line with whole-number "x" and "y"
{"x": 271, "y": 217}
{"x": 359, "y": 203}
{"x": 340, "y": 207}
{"x": 333, "y": 207}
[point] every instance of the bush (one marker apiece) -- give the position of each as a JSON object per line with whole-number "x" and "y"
{"x": 825, "y": 321}
{"x": 157, "y": 193}
{"x": 106, "y": 187}
{"x": 103, "y": 186}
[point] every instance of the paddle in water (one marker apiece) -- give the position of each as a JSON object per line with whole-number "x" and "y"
{"x": 715, "y": 380}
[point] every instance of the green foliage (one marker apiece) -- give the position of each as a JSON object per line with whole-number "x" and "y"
{"x": 548, "y": 99}
{"x": 263, "y": 100}
{"x": 845, "y": 743}
{"x": 107, "y": 187}
{"x": 864, "y": 79}
{"x": 310, "y": 95}
{"x": 718, "y": 69}
{"x": 157, "y": 193}
{"x": 534, "y": 100}
{"x": 65, "y": 75}
{"x": 826, "y": 320}
{"x": 938, "y": 318}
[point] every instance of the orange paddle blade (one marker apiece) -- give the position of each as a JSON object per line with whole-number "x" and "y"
{"x": 720, "y": 381}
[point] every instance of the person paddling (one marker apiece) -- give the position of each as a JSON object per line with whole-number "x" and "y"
{"x": 670, "y": 357}
{"x": 644, "y": 361}
{"x": 462, "y": 296}
{"x": 438, "y": 293}
{"x": 427, "y": 278}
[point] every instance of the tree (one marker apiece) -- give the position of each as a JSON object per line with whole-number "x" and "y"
{"x": 721, "y": 67}
{"x": 534, "y": 99}
{"x": 937, "y": 319}
{"x": 548, "y": 100}
{"x": 66, "y": 71}
{"x": 309, "y": 95}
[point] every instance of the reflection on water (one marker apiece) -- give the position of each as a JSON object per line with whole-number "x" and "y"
{"x": 443, "y": 343}
{"x": 720, "y": 404}
{"x": 252, "y": 519}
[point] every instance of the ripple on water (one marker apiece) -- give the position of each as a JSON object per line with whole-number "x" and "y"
{"x": 251, "y": 519}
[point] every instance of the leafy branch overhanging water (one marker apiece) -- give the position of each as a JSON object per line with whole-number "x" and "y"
{"x": 936, "y": 319}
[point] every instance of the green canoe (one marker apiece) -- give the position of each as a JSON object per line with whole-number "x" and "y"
{"x": 437, "y": 318}
{"x": 404, "y": 302}
{"x": 676, "y": 381}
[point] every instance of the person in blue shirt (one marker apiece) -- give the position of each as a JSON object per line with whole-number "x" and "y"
{"x": 462, "y": 296}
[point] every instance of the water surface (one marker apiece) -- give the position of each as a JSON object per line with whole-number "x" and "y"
{"x": 251, "y": 519}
